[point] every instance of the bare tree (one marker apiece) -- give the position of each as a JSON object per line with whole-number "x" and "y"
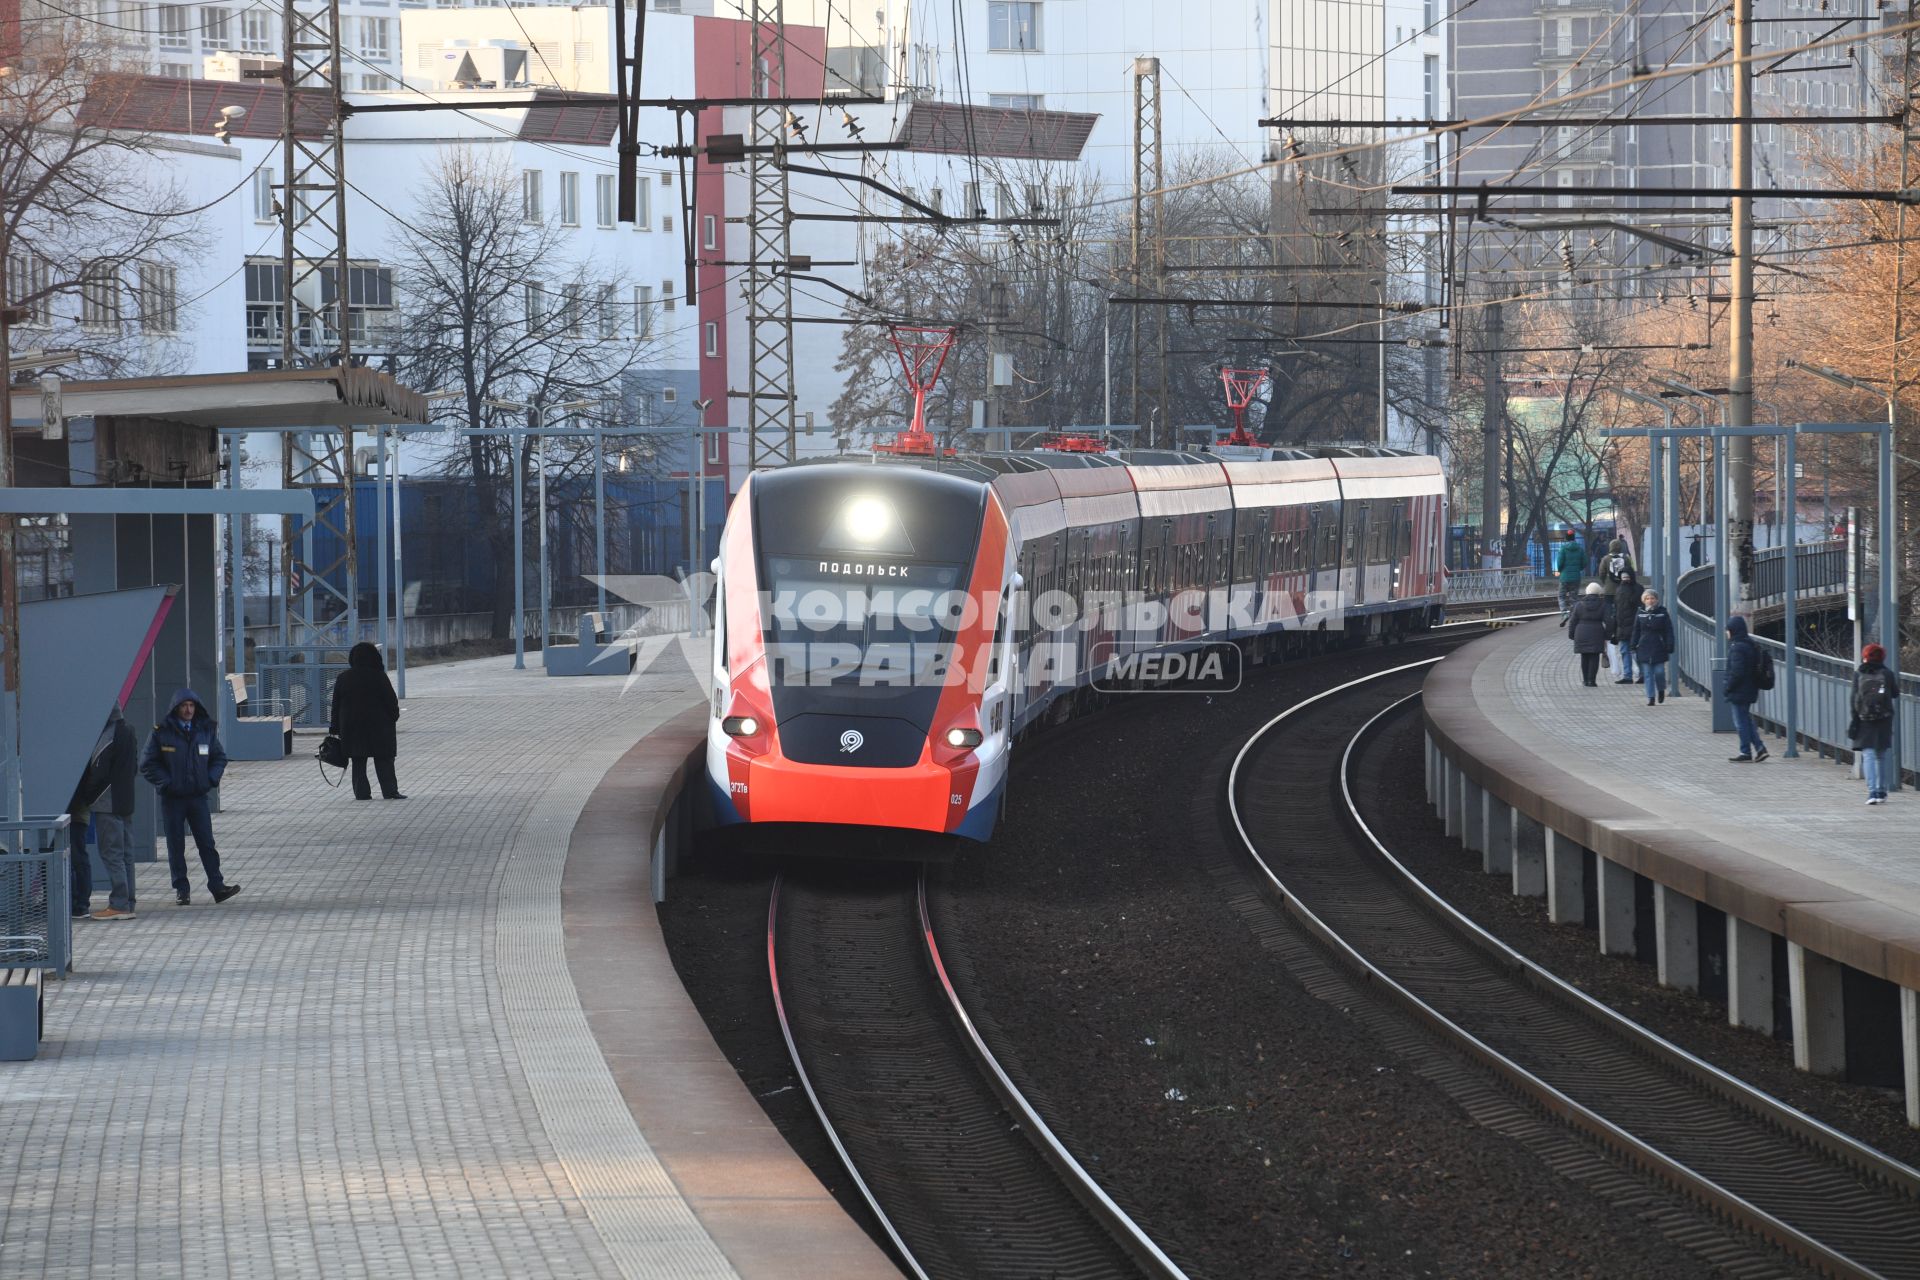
{"x": 492, "y": 308}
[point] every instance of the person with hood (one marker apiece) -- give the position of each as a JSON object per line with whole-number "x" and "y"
{"x": 1621, "y": 612}
{"x": 116, "y": 762}
{"x": 184, "y": 761}
{"x": 1587, "y": 625}
{"x": 1570, "y": 562}
{"x": 365, "y": 712}
{"x": 1875, "y": 698}
{"x": 1651, "y": 642}
{"x": 1743, "y": 689}
{"x": 1614, "y": 566}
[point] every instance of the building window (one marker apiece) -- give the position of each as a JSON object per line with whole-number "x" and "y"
{"x": 569, "y": 199}
{"x": 530, "y": 196}
{"x": 643, "y": 311}
{"x": 1430, "y": 72}
{"x": 1016, "y": 101}
{"x": 256, "y": 31}
{"x": 369, "y": 300}
{"x": 713, "y": 338}
{"x": 609, "y": 308}
{"x": 666, "y": 294}
{"x": 159, "y": 299}
{"x": 215, "y": 28}
{"x": 1003, "y": 201}
{"x": 713, "y": 446}
{"x": 974, "y": 208}
{"x": 100, "y": 296}
{"x": 373, "y": 82}
{"x": 1429, "y": 14}
{"x": 642, "y": 204}
{"x": 176, "y": 71}
{"x": 573, "y": 321}
{"x": 936, "y": 199}
{"x": 1036, "y": 199}
{"x": 172, "y": 27}
{"x": 266, "y": 293}
{"x": 604, "y": 205}
{"x": 669, "y": 395}
{"x": 376, "y": 38}
{"x": 536, "y": 305}
{"x": 1013, "y": 27}
{"x": 30, "y": 285}
{"x": 263, "y": 197}
{"x": 710, "y": 232}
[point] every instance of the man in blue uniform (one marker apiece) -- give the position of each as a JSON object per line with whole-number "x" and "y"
{"x": 184, "y": 761}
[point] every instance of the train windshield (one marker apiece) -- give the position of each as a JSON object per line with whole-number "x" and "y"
{"x": 861, "y": 622}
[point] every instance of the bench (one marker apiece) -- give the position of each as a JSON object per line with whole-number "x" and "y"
{"x": 598, "y": 653}
{"x": 252, "y": 735}
{"x": 22, "y": 1014}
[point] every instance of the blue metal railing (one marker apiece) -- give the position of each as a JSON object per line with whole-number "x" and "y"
{"x": 1823, "y": 685}
{"x": 36, "y": 929}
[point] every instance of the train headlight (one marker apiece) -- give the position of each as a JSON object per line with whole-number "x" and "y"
{"x": 964, "y": 739}
{"x": 740, "y": 726}
{"x": 868, "y": 519}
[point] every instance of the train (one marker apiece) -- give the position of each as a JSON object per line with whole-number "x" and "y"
{"x": 886, "y": 629}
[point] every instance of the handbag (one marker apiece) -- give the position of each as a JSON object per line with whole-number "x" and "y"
{"x": 331, "y": 753}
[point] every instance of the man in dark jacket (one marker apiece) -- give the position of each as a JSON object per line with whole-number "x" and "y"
{"x": 1621, "y": 610}
{"x": 113, "y": 815}
{"x": 1587, "y": 625}
{"x": 184, "y": 761}
{"x": 365, "y": 712}
{"x": 1876, "y": 696}
{"x": 1570, "y": 562}
{"x": 1743, "y": 689}
{"x": 1651, "y": 641}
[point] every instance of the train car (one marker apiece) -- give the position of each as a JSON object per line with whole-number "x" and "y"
{"x": 886, "y": 630}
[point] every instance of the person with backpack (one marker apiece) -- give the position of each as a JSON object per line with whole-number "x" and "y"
{"x": 1620, "y": 616}
{"x": 1570, "y": 562}
{"x": 1875, "y": 699}
{"x": 1749, "y": 670}
{"x": 1651, "y": 641}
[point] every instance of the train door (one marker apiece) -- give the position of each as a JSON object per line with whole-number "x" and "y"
{"x": 1353, "y": 557}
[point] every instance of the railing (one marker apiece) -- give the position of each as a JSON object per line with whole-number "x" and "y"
{"x": 36, "y": 927}
{"x": 1486, "y": 586}
{"x": 1823, "y": 685}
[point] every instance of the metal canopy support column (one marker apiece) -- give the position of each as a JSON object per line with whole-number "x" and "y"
{"x": 770, "y": 381}
{"x": 314, "y": 325}
{"x": 1149, "y": 252}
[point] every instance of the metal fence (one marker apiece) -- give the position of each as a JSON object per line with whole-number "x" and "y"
{"x": 36, "y": 927}
{"x": 1823, "y": 685}
{"x": 1486, "y": 586}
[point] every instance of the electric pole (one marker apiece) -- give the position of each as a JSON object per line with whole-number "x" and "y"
{"x": 1740, "y": 307}
{"x": 1149, "y": 249}
{"x": 1493, "y": 414}
{"x": 313, "y": 261}
{"x": 770, "y": 390}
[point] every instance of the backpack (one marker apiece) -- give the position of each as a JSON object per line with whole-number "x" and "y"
{"x": 1762, "y": 668}
{"x": 98, "y": 775}
{"x": 1616, "y": 566}
{"x": 1874, "y": 701}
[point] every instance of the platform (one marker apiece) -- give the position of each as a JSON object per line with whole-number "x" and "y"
{"x": 376, "y": 1061}
{"x": 1535, "y": 771}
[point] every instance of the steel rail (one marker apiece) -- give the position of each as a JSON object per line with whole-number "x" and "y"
{"x": 904, "y": 1254}
{"x": 1110, "y": 1215}
{"x": 1543, "y": 1094}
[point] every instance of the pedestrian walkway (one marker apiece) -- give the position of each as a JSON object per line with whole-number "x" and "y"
{"x": 373, "y": 1061}
{"x": 1808, "y": 813}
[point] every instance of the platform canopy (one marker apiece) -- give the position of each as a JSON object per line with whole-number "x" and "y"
{"x": 258, "y": 401}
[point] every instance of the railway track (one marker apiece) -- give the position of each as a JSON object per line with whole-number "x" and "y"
{"x": 963, "y": 1176}
{"x": 1825, "y": 1199}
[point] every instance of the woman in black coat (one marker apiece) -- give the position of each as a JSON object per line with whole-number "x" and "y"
{"x": 1587, "y": 625}
{"x": 365, "y": 712}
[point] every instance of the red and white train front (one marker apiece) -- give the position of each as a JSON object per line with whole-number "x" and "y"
{"x": 860, "y": 687}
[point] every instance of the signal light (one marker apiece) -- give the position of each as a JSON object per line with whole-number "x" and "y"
{"x": 740, "y": 726}
{"x": 964, "y": 739}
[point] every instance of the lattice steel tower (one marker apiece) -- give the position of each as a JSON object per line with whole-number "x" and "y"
{"x": 1149, "y": 257}
{"x": 770, "y": 391}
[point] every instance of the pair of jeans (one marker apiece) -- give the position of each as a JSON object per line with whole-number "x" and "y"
{"x": 79, "y": 868}
{"x": 1750, "y": 744}
{"x": 177, "y": 815}
{"x": 1625, "y": 655}
{"x": 383, "y": 769}
{"x": 1654, "y": 676}
{"x": 1589, "y": 667}
{"x": 1874, "y": 762}
{"x": 116, "y": 851}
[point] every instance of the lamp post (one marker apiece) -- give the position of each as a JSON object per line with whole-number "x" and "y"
{"x": 537, "y": 415}
{"x": 1662, "y": 555}
{"x": 1722, "y": 714}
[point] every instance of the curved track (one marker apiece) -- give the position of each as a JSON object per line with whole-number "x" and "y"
{"x": 1824, "y": 1198}
{"x": 963, "y": 1176}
